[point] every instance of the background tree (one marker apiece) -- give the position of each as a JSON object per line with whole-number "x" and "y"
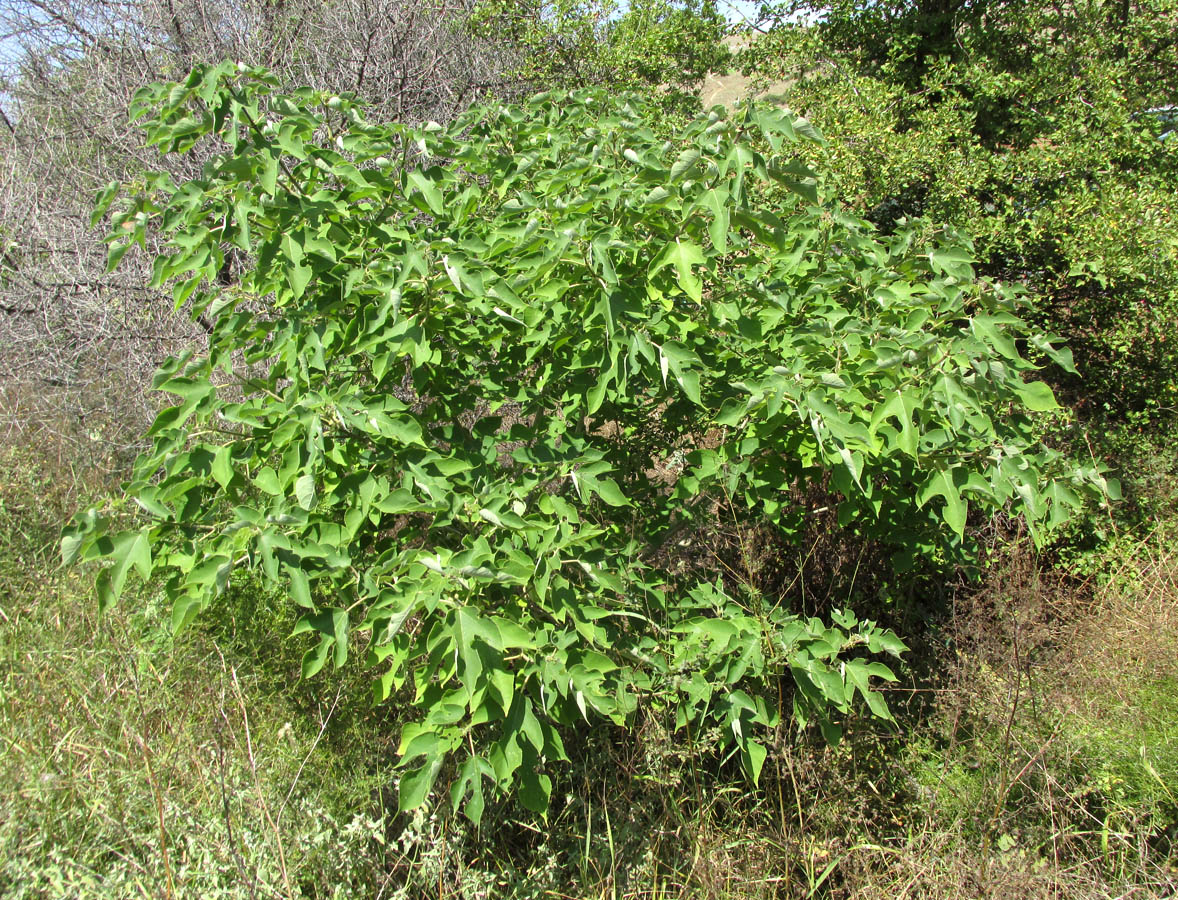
{"x": 660, "y": 45}
{"x": 1045, "y": 129}
{"x": 78, "y": 343}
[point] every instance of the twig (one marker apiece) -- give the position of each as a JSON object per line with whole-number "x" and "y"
{"x": 249, "y": 746}
{"x": 250, "y": 882}
{"x": 159, "y": 808}
{"x": 314, "y": 744}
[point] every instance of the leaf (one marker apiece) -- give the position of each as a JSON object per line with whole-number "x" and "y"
{"x": 1061, "y": 356}
{"x": 70, "y": 545}
{"x": 732, "y": 412}
{"x": 879, "y": 706}
{"x": 305, "y": 490}
{"x": 470, "y": 778}
{"x": 775, "y": 121}
{"x": 299, "y": 277}
{"x": 115, "y": 255}
{"x": 139, "y": 555}
{"x": 504, "y": 519}
{"x": 268, "y": 177}
{"x": 339, "y": 619}
{"x": 831, "y": 732}
{"x": 400, "y": 502}
{"x": 469, "y": 627}
{"x": 807, "y": 188}
{"x": 829, "y": 682}
{"x": 988, "y": 329}
{"x": 719, "y": 630}
{"x": 752, "y": 758}
{"x": 454, "y": 272}
{"x": 887, "y": 642}
{"x": 213, "y": 572}
{"x": 685, "y": 164}
{"x": 899, "y": 406}
{"x": 428, "y": 189}
{"x": 130, "y": 548}
{"x": 222, "y": 467}
{"x": 675, "y": 358}
{"x": 102, "y": 202}
{"x": 267, "y": 480}
{"x": 942, "y": 484}
{"x": 535, "y": 790}
{"x": 192, "y": 390}
{"x": 414, "y": 788}
{"x": 531, "y": 729}
{"x": 300, "y": 587}
{"x": 314, "y": 659}
{"x": 404, "y": 429}
{"x": 682, "y": 255}
{"x": 956, "y": 262}
{"x": 1037, "y": 396}
{"x": 106, "y": 595}
{"x": 804, "y": 127}
{"x": 716, "y": 202}
{"x": 857, "y": 675}
{"x": 607, "y": 489}
{"x": 689, "y": 383}
{"x": 504, "y": 314}
{"x": 596, "y": 395}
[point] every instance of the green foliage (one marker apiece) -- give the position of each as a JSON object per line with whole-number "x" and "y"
{"x": 460, "y": 408}
{"x": 127, "y": 756}
{"x": 1082, "y": 750}
{"x": 1041, "y": 128}
{"x": 660, "y": 46}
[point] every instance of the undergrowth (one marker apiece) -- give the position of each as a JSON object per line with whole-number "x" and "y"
{"x": 138, "y": 766}
{"x": 1036, "y": 756}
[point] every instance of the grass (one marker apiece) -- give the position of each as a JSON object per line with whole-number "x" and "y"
{"x": 1041, "y": 762}
{"x": 138, "y": 766}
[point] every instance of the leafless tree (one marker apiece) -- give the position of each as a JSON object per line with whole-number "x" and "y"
{"x": 77, "y": 346}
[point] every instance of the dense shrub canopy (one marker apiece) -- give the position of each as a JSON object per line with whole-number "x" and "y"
{"x": 1046, "y": 131}
{"x": 476, "y": 381}
{"x": 77, "y": 344}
